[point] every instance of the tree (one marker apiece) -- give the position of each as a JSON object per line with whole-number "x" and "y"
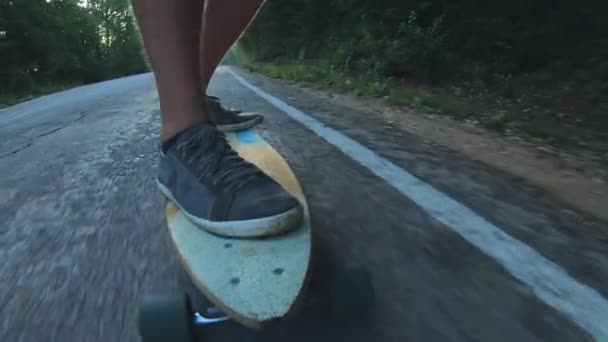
{"x": 65, "y": 41}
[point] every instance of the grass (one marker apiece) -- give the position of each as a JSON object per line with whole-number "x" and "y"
{"x": 539, "y": 125}
{"x": 323, "y": 76}
{"x": 545, "y": 127}
{"x": 407, "y": 96}
{"x": 493, "y": 114}
{"x": 499, "y": 121}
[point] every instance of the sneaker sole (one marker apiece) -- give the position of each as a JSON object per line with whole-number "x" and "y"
{"x": 242, "y": 125}
{"x": 254, "y": 228}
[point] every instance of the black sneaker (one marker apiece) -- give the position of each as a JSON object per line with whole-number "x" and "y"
{"x": 228, "y": 119}
{"x": 220, "y": 191}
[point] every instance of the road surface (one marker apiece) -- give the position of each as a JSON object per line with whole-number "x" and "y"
{"x": 458, "y": 251}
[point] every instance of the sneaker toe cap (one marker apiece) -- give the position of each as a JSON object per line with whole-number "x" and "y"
{"x": 269, "y": 204}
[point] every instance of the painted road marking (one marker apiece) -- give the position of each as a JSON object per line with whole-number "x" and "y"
{"x": 550, "y": 282}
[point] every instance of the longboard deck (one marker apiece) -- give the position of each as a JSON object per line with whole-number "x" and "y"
{"x": 254, "y": 281}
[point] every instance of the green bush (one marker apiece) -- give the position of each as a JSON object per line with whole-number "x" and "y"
{"x": 431, "y": 40}
{"x": 416, "y": 51}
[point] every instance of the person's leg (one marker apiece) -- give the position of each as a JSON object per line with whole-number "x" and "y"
{"x": 198, "y": 170}
{"x": 223, "y": 23}
{"x": 169, "y": 31}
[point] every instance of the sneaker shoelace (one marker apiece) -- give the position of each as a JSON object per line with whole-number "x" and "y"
{"x": 209, "y": 154}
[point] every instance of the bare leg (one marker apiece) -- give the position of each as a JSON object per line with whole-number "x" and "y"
{"x": 198, "y": 170}
{"x": 169, "y": 30}
{"x": 223, "y": 23}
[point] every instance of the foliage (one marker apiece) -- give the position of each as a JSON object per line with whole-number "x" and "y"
{"x": 45, "y": 42}
{"x": 433, "y": 40}
{"x": 535, "y": 67}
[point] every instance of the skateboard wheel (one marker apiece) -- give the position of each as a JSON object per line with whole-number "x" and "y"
{"x": 349, "y": 293}
{"x": 166, "y": 318}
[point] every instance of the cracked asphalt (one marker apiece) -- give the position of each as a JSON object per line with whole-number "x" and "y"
{"x": 82, "y": 236}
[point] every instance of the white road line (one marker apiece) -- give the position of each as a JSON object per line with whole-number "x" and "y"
{"x": 547, "y": 280}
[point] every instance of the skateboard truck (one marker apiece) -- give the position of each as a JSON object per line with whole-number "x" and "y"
{"x": 340, "y": 294}
{"x": 171, "y": 318}
{"x": 202, "y": 320}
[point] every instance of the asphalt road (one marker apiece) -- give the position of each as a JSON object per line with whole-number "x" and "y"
{"x": 82, "y": 236}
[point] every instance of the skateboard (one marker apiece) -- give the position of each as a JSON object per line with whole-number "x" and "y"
{"x": 254, "y": 282}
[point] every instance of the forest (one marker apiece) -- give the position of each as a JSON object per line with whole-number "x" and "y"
{"x": 435, "y": 39}
{"x": 46, "y": 45}
{"x": 536, "y": 61}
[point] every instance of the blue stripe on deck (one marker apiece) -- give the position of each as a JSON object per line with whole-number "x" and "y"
{"x": 248, "y": 136}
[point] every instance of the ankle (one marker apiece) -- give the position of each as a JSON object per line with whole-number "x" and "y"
{"x": 171, "y": 128}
